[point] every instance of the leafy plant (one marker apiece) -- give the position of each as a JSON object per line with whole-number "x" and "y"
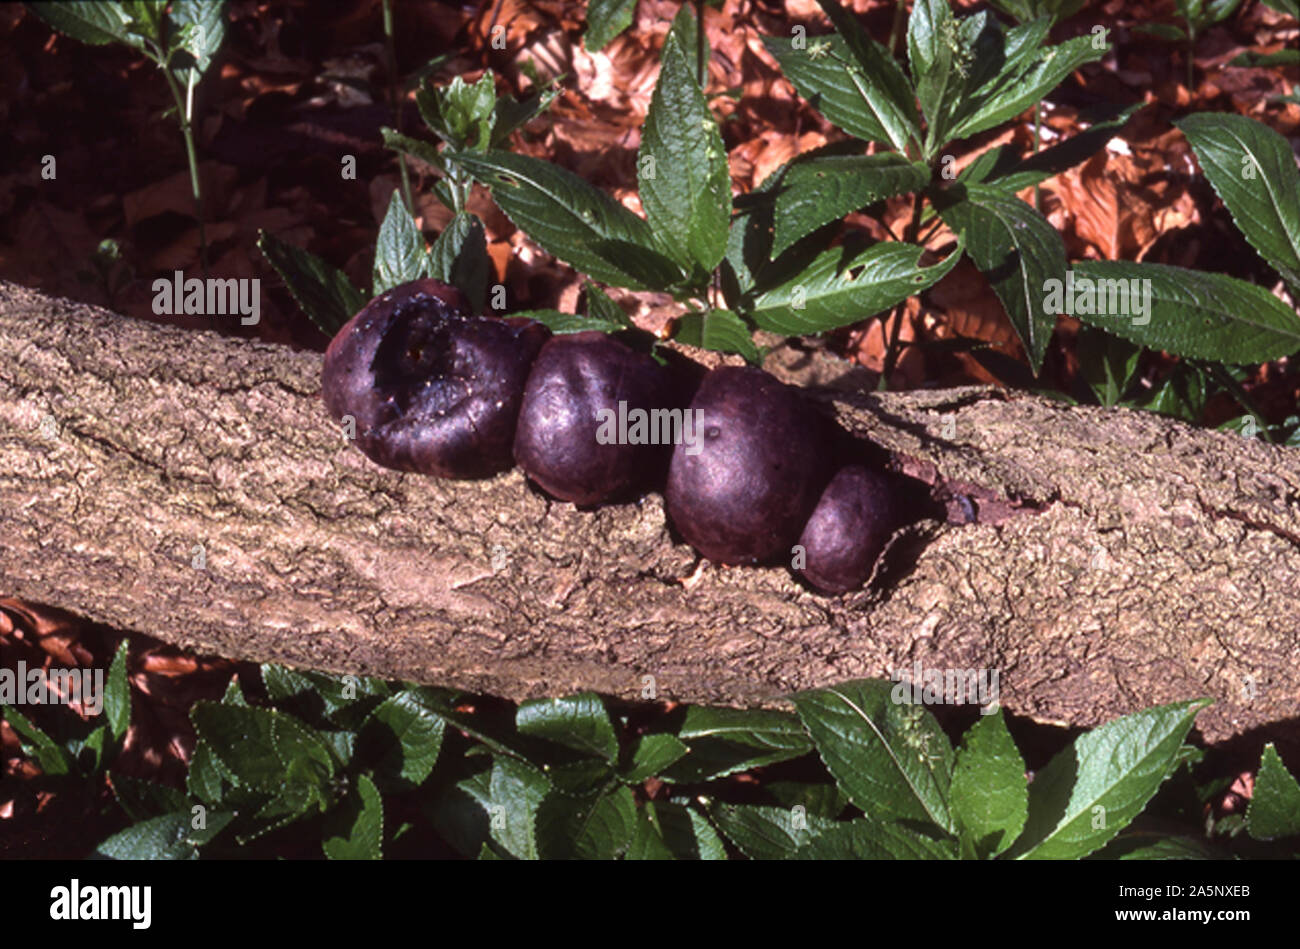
{"x": 1197, "y": 16}
{"x": 181, "y": 37}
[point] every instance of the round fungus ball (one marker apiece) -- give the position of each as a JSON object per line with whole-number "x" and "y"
{"x": 743, "y": 490}
{"x": 848, "y": 529}
{"x": 431, "y": 388}
{"x": 587, "y": 429}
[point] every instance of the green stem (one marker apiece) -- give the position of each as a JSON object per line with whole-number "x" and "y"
{"x": 1191, "y": 63}
{"x": 896, "y": 30}
{"x": 1239, "y": 393}
{"x": 187, "y": 131}
{"x": 395, "y": 102}
{"x": 1038, "y": 139}
{"x": 895, "y": 336}
{"x": 700, "y": 74}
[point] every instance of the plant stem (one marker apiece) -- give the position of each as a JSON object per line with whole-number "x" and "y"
{"x": 395, "y": 102}
{"x": 187, "y": 131}
{"x": 1191, "y": 63}
{"x": 1038, "y": 139}
{"x": 896, "y": 30}
{"x": 895, "y": 336}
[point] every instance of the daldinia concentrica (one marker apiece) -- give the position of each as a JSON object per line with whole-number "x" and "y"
{"x": 573, "y": 437}
{"x": 431, "y": 388}
{"x": 749, "y": 470}
{"x": 848, "y": 529}
{"x": 743, "y": 494}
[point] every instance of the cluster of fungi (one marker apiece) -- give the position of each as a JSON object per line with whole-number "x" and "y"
{"x": 766, "y": 477}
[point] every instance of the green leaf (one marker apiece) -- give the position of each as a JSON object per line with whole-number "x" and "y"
{"x": 767, "y": 833}
{"x": 605, "y": 20}
{"x": 461, "y": 114}
{"x": 203, "y": 27}
{"x": 1188, "y": 313}
{"x": 723, "y": 741}
{"x": 682, "y": 172}
{"x": 512, "y": 114}
{"x": 93, "y": 23}
{"x": 1285, "y": 6}
{"x": 1018, "y": 250}
{"x": 574, "y": 221}
{"x": 650, "y": 755}
{"x": 932, "y": 44}
{"x": 1164, "y": 31}
{"x": 117, "y": 696}
{"x": 1274, "y": 809}
{"x": 459, "y": 256}
{"x": 841, "y": 287}
{"x": 687, "y": 833}
{"x": 878, "y": 79}
{"x": 579, "y": 722}
{"x": 1148, "y": 846}
{"x": 355, "y": 830}
{"x": 889, "y": 756}
{"x": 559, "y": 322}
{"x": 51, "y": 756}
{"x": 647, "y": 840}
{"x": 143, "y": 799}
{"x": 516, "y": 790}
{"x": 423, "y": 151}
{"x": 262, "y": 748}
{"x": 1023, "y": 81}
{"x": 1107, "y": 363}
{"x": 1093, "y": 789}
{"x": 988, "y": 791}
{"x": 169, "y": 837}
{"x": 403, "y": 737}
{"x": 399, "y": 249}
{"x": 325, "y": 294}
{"x": 866, "y": 839}
{"x": 1253, "y": 170}
{"x": 817, "y": 189}
{"x": 822, "y": 70}
{"x": 718, "y": 330}
{"x": 597, "y": 828}
{"x": 601, "y": 307}
{"x": 1026, "y": 10}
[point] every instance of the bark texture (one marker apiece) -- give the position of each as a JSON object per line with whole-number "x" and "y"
{"x": 191, "y": 486}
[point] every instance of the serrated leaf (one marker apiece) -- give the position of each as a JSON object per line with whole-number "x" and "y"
{"x": 1018, "y": 250}
{"x": 169, "y": 837}
{"x": 598, "y": 828}
{"x": 261, "y": 748}
{"x": 516, "y": 791}
{"x": 890, "y": 757}
{"x": 580, "y": 722}
{"x": 682, "y": 173}
{"x": 932, "y": 44}
{"x": 1191, "y": 313}
{"x": 399, "y": 249}
{"x": 461, "y": 113}
{"x": 650, "y": 755}
{"x": 95, "y": 23}
{"x": 1093, "y": 789}
{"x": 1274, "y": 809}
{"x": 143, "y": 799}
{"x": 988, "y": 792}
{"x": 355, "y": 830}
{"x": 647, "y": 839}
{"x": 865, "y": 839}
{"x": 117, "y": 695}
{"x": 601, "y": 308}
{"x": 402, "y": 737}
{"x": 723, "y": 741}
{"x": 877, "y": 78}
{"x": 767, "y": 833}
{"x": 1254, "y": 171}
{"x": 559, "y": 322}
{"x": 818, "y": 189}
{"x": 717, "y": 330}
{"x": 605, "y": 20}
{"x": 512, "y": 114}
{"x": 1148, "y": 846}
{"x": 324, "y": 293}
{"x": 423, "y": 151}
{"x": 459, "y": 256}
{"x": 1107, "y": 363}
{"x": 203, "y": 25}
{"x": 1023, "y": 80}
{"x": 840, "y": 287}
{"x": 51, "y": 756}
{"x": 579, "y": 224}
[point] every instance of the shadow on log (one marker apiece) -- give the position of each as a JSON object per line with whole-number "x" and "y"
{"x": 191, "y": 486}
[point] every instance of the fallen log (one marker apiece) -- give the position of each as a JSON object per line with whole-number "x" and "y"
{"x": 191, "y": 486}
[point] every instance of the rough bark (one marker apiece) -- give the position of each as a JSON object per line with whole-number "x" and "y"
{"x": 1118, "y": 559}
